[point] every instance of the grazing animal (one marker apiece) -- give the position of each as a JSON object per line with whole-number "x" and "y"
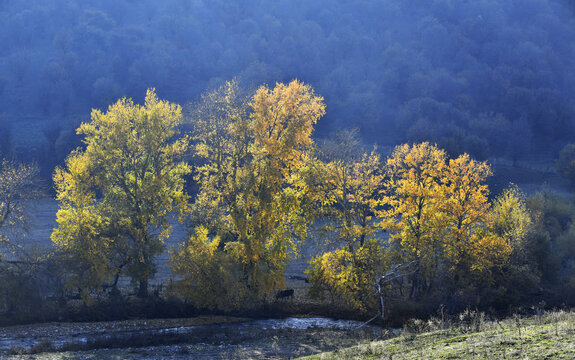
{"x": 281, "y": 294}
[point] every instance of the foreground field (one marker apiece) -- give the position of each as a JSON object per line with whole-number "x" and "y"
{"x": 548, "y": 337}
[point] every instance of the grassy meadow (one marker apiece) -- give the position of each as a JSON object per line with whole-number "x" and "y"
{"x": 549, "y": 336}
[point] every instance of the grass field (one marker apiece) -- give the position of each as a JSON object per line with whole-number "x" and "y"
{"x": 550, "y": 336}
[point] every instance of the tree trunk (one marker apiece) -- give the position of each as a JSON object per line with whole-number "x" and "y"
{"x": 380, "y": 284}
{"x": 143, "y": 289}
{"x": 414, "y": 293}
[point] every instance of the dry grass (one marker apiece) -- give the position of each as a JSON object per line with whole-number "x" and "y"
{"x": 548, "y": 337}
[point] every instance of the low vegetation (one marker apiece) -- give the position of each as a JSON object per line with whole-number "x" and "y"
{"x": 473, "y": 336}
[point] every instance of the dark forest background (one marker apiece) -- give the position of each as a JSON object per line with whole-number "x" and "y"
{"x": 491, "y": 78}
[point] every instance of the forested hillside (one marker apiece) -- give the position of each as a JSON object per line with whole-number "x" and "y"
{"x": 491, "y": 78}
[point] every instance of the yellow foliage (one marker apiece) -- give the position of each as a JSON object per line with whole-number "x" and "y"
{"x": 117, "y": 194}
{"x": 413, "y": 193}
{"x": 348, "y": 276}
{"x": 439, "y": 213}
{"x": 208, "y": 276}
{"x": 349, "y": 196}
{"x": 251, "y": 189}
{"x": 283, "y": 120}
{"x": 512, "y": 219}
{"x": 466, "y": 214}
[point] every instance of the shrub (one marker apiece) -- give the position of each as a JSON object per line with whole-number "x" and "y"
{"x": 566, "y": 163}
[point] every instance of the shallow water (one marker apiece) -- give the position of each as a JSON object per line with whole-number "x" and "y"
{"x": 224, "y": 337}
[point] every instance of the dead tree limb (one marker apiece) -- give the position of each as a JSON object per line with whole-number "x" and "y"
{"x": 396, "y": 272}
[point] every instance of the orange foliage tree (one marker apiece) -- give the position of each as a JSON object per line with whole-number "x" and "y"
{"x": 440, "y": 217}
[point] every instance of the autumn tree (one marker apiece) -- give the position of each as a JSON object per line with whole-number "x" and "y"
{"x": 221, "y": 137}
{"x": 209, "y": 272}
{"x": 412, "y": 195}
{"x": 19, "y": 265}
{"x": 440, "y": 217}
{"x": 514, "y": 224}
{"x": 349, "y": 182}
{"x": 249, "y": 182}
{"x": 117, "y": 195}
{"x": 465, "y": 208}
{"x": 512, "y": 219}
{"x": 209, "y": 277}
{"x": 348, "y": 275}
{"x": 269, "y": 217}
{"x": 18, "y": 185}
{"x": 441, "y": 224}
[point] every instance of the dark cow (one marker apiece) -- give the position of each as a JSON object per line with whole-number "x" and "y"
{"x": 288, "y": 293}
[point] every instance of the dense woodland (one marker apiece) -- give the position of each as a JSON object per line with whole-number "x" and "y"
{"x": 483, "y": 77}
{"x": 256, "y": 166}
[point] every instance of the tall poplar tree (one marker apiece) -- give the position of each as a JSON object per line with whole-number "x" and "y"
{"x": 117, "y": 195}
{"x": 252, "y": 197}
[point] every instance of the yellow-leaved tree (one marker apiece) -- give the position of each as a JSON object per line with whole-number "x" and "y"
{"x": 440, "y": 217}
{"x": 351, "y": 180}
{"x": 413, "y": 195}
{"x": 250, "y": 185}
{"x": 465, "y": 210}
{"x": 349, "y": 275}
{"x": 473, "y": 247}
{"x": 348, "y": 188}
{"x": 117, "y": 195}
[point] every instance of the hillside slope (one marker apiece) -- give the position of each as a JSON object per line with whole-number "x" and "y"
{"x": 550, "y": 337}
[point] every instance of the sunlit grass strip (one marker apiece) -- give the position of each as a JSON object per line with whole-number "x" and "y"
{"x": 516, "y": 338}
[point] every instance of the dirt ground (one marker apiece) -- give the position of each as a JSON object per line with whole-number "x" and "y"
{"x": 202, "y": 337}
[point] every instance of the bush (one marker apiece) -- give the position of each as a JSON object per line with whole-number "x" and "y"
{"x": 347, "y": 275}
{"x": 566, "y": 163}
{"x": 29, "y": 290}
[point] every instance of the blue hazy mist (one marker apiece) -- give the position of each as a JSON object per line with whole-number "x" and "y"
{"x": 493, "y": 78}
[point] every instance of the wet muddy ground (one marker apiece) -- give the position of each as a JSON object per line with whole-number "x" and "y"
{"x": 202, "y": 337}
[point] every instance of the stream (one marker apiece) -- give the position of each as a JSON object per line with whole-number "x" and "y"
{"x": 202, "y": 337}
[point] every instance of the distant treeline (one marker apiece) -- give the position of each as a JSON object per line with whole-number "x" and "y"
{"x": 491, "y": 78}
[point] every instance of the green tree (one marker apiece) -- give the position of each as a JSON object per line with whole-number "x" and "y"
{"x": 117, "y": 195}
